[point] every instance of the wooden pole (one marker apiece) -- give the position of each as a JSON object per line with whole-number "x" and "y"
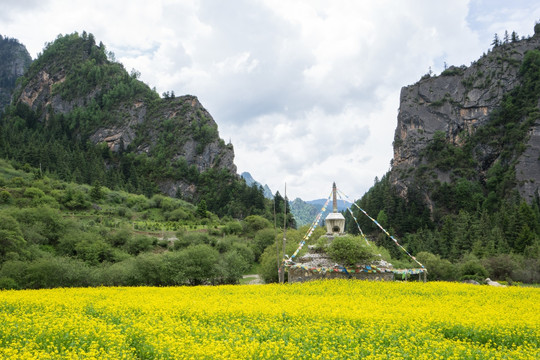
{"x": 277, "y": 243}
{"x": 282, "y": 279}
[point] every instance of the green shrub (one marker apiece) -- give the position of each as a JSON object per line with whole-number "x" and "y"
{"x": 438, "y": 269}
{"x": 57, "y": 272}
{"x": 473, "y": 270}
{"x": 350, "y": 250}
{"x": 33, "y": 193}
{"x": 139, "y": 243}
{"x": 49, "y": 221}
{"x": 149, "y": 269}
{"x": 5, "y": 197}
{"x": 244, "y": 251}
{"x": 177, "y": 214}
{"x": 232, "y": 266}
{"x": 500, "y": 267}
{"x": 233, "y": 228}
{"x": 7, "y": 283}
{"x": 200, "y": 264}
{"x": 254, "y": 223}
{"x": 263, "y": 239}
{"x": 11, "y": 239}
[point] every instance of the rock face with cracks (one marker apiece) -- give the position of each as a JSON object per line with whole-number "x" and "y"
{"x": 14, "y": 60}
{"x": 457, "y": 103}
{"x": 177, "y": 131}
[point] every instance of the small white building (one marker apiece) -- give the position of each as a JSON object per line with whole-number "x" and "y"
{"x": 335, "y": 221}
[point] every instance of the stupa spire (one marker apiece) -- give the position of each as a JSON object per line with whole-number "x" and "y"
{"x": 334, "y": 197}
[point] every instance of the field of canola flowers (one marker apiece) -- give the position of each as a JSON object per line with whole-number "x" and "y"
{"x": 336, "y": 319}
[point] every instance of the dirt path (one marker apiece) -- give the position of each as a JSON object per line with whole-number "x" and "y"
{"x": 255, "y": 279}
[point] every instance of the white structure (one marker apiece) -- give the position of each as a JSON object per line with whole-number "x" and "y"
{"x": 335, "y": 221}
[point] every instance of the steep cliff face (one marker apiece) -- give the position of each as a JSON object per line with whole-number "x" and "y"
{"x": 452, "y": 107}
{"x": 14, "y": 60}
{"x": 74, "y": 84}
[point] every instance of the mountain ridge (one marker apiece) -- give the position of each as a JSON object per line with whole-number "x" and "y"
{"x": 92, "y": 121}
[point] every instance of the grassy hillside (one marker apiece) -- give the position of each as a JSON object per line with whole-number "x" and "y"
{"x": 56, "y": 233}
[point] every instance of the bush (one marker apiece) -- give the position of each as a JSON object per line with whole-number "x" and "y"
{"x": 57, "y": 272}
{"x": 11, "y": 239}
{"x": 15, "y": 270}
{"x": 178, "y": 214}
{"x": 94, "y": 250}
{"x": 529, "y": 272}
{"x": 33, "y": 193}
{"x": 119, "y": 238}
{"x": 233, "y": 228}
{"x": 254, "y": 223}
{"x": 200, "y": 264}
{"x": 263, "y": 239}
{"x": 500, "y": 267}
{"x": 149, "y": 269}
{"x": 118, "y": 274}
{"x": 5, "y": 197}
{"x": 350, "y": 250}
{"x": 225, "y": 244}
{"x": 7, "y": 283}
{"x": 232, "y": 266}
{"x": 174, "y": 268}
{"x": 438, "y": 269}
{"x": 244, "y": 251}
{"x": 191, "y": 239}
{"x": 75, "y": 199}
{"x": 139, "y": 244}
{"x": 269, "y": 268}
{"x": 473, "y": 270}
{"x": 47, "y": 221}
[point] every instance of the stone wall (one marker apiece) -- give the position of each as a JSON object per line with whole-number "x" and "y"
{"x": 302, "y": 275}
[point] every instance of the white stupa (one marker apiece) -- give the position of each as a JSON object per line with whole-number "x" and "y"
{"x": 335, "y": 221}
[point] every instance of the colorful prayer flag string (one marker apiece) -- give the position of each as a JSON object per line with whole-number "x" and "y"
{"x": 310, "y": 231}
{"x": 386, "y": 232}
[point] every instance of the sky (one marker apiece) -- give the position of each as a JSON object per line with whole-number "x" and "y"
{"x": 307, "y": 91}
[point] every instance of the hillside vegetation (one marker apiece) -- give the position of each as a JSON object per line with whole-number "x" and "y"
{"x": 54, "y": 233}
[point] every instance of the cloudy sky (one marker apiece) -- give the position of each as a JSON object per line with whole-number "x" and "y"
{"x": 306, "y": 90}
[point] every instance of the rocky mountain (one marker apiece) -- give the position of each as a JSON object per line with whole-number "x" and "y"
{"x": 479, "y": 123}
{"x": 14, "y": 60}
{"x": 250, "y": 181}
{"x": 87, "y": 119}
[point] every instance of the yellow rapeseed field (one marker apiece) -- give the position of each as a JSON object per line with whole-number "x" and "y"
{"x": 336, "y": 319}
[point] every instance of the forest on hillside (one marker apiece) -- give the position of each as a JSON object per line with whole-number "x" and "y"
{"x": 478, "y": 216}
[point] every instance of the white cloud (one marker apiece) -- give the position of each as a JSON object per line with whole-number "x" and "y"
{"x": 307, "y": 90}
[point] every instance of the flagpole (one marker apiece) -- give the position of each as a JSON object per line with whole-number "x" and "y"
{"x": 282, "y": 279}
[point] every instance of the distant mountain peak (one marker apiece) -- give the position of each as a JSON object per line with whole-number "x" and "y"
{"x": 250, "y": 181}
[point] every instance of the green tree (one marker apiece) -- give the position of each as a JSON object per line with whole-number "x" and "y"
{"x": 96, "y": 192}
{"x": 202, "y": 209}
{"x": 11, "y": 239}
{"x": 263, "y": 239}
{"x": 200, "y": 263}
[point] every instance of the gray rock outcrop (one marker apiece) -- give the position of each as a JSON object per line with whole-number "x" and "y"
{"x": 14, "y": 60}
{"x": 457, "y": 103}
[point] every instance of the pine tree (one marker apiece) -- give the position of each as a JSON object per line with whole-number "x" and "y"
{"x": 496, "y": 42}
{"x": 96, "y": 193}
